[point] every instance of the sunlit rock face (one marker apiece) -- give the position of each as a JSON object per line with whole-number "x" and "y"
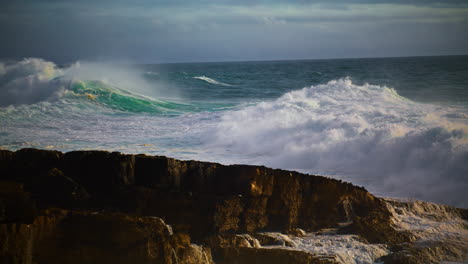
{"x": 102, "y": 207}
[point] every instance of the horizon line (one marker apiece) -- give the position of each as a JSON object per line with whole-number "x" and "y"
{"x": 308, "y": 59}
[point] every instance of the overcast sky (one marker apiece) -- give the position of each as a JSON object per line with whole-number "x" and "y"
{"x": 225, "y": 30}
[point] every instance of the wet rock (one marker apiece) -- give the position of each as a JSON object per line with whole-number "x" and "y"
{"x": 247, "y": 255}
{"x": 59, "y": 236}
{"x": 297, "y": 232}
{"x": 432, "y": 252}
{"x": 206, "y": 203}
{"x": 233, "y": 241}
{"x": 274, "y": 239}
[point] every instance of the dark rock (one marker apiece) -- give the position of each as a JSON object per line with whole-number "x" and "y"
{"x": 59, "y": 236}
{"x": 16, "y": 205}
{"x": 100, "y": 171}
{"x": 430, "y": 252}
{"x": 56, "y": 189}
{"x": 247, "y": 255}
{"x": 273, "y": 239}
{"x": 152, "y": 171}
{"x": 200, "y": 200}
{"x": 26, "y": 165}
{"x": 7, "y": 159}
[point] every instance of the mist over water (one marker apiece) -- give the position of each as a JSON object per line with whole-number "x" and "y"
{"x": 396, "y": 126}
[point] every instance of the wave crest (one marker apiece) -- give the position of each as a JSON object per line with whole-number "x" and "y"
{"x": 35, "y": 80}
{"x": 212, "y": 81}
{"x": 355, "y": 132}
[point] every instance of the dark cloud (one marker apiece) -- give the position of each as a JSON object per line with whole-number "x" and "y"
{"x": 178, "y": 30}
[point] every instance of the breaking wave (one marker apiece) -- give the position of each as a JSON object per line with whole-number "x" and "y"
{"x": 35, "y": 80}
{"x": 212, "y": 81}
{"x": 366, "y": 134}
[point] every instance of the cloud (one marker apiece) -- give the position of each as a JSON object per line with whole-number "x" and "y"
{"x": 159, "y": 31}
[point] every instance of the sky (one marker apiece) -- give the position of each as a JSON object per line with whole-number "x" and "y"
{"x": 157, "y": 31}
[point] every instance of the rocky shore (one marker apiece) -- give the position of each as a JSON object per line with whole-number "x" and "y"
{"x": 103, "y": 207}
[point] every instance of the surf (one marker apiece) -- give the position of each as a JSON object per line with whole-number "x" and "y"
{"x": 367, "y": 134}
{"x": 32, "y": 81}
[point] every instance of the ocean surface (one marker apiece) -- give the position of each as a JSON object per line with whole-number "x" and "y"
{"x": 397, "y": 126}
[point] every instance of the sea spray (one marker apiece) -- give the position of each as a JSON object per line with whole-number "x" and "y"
{"x": 340, "y": 128}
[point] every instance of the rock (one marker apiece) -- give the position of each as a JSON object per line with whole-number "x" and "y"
{"x": 232, "y": 241}
{"x": 297, "y": 232}
{"x": 7, "y": 160}
{"x": 60, "y": 236}
{"x": 26, "y": 165}
{"x": 274, "y": 239}
{"x": 222, "y": 209}
{"x": 247, "y": 255}
{"x": 152, "y": 171}
{"x": 56, "y": 189}
{"x": 100, "y": 172}
{"x": 16, "y": 243}
{"x": 433, "y": 252}
{"x": 16, "y": 205}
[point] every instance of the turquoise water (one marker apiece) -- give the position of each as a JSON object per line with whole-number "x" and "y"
{"x": 397, "y": 126}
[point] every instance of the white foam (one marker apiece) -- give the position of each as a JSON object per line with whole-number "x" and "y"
{"x": 367, "y": 134}
{"x": 212, "y": 81}
{"x": 429, "y": 221}
{"x": 341, "y": 248}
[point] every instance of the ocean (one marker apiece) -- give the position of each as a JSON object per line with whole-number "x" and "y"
{"x": 397, "y": 126}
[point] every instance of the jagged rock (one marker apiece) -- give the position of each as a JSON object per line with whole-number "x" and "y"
{"x": 428, "y": 253}
{"x": 247, "y": 255}
{"x": 215, "y": 197}
{"x": 205, "y": 203}
{"x": 274, "y": 239}
{"x": 297, "y": 232}
{"x": 233, "y": 241}
{"x": 244, "y": 248}
{"x": 60, "y": 236}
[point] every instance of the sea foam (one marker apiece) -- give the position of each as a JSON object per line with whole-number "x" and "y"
{"x": 366, "y": 134}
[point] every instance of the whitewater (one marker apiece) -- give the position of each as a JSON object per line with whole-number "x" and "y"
{"x": 398, "y": 127}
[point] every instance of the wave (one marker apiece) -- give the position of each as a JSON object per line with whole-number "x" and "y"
{"x": 212, "y": 81}
{"x": 120, "y": 99}
{"x": 35, "y": 80}
{"x": 364, "y": 133}
{"x": 29, "y": 81}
